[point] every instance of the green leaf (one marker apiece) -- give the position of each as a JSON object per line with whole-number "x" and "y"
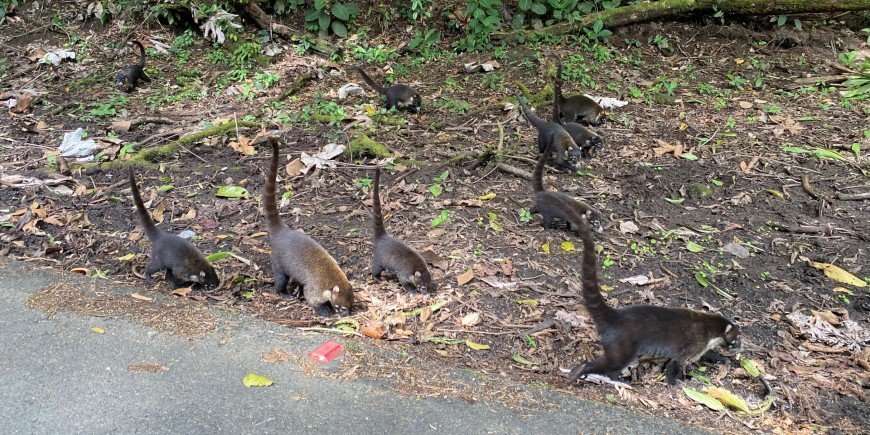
{"x": 443, "y": 177}
{"x": 339, "y": 28}
{"x": 781, "y": 20}
{"x": 323, "y": 20}
{"x": 217, "y": 256}
{"x": 689, "y": 156}
{"x": 750, "y": 368}
{"x": 828, "y": 154}
{"x": 717, "y": 183}
{"x": 340, "y": 11}
{"x": 127, "y": 257}
{"x": 704, "y": 399}
{"x": 252, "y": 380}
{"x": 312, "y": 15}
{"x": 232, "y": 192}
{"x": 676, "y": 201}
{"x": 436, "y": 190}
{"x": 795, "y": 150}
{"x": 568, "y": 246}
{"x": 441, "y": 218}
{"x": 519, "y": 358}
{"x": 525, "y": 5}
{"x": 701, "y": 277}
{"x": 476, "y": 346}
{"x": 857, "y": 150}
{"x": 694, "y": 247}
{"x": 165, "y": 188}
{"x": 539, "y": 8}
{"x": 444, "y": 340}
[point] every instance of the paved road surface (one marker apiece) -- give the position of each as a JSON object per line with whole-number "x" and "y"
{"x": 58, "y": 376}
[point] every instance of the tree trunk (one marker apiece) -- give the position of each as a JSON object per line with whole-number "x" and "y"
{"x": 664, "y": 8}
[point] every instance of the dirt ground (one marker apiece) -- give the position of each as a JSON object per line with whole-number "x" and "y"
{"x": 706, "y": 205}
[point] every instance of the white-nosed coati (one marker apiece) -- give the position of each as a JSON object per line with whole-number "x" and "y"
{"x": 182, "y": 261}
{"x": 552, "y": 135}
{"x": 576, "y": 108}
{"x": 389, "y": 254}
{"x": 585, "y": 138}
{"x": 398, "y": 95}
{"x": 553, "y": 205}
{"x": 127, "y": 79}
{"x": 680, "y": 335}
{"x": 300, "y": 261}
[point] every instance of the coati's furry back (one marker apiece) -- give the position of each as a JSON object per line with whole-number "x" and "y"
{"x": 390, "y": 254}
{"x": 679, "y": 335}
{"x": 299, "y": 261}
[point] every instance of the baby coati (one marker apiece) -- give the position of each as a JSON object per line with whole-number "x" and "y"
{"x": 680, "y": 335}
{"x": 576, "y": 108}
{"x": 566, "y": 153}
{"x": 398, "y": 95}
{"x": 390, "y": 254}
{"x": 587, "y": 139}
{"x": 300, "y": 261}
{"x": 182, "y": 261}
{"x": 553, "y": 205}
{"x": 127, "y": 79}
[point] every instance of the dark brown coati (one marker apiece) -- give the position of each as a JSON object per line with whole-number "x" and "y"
{"x": 127, "y": 79}
{"x": 680, "y": 335}
{"x": 585, "y": 138}
{"x": 300, "y": 261}
{"x": 182, "y": 261}
{"x": 553, "y": 205}
{"x": 576, "y": 108}
{"x": 389, "y": 254}
{"x": 398, "y": 95}
{"x": 565, "y": 152}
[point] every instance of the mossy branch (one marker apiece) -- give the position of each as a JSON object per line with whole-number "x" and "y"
{"x": 146, "y": 156}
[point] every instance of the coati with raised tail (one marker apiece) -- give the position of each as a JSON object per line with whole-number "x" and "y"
{"x": 576, "y": 108}
{"x": 680, "y": 335}
{"x": 182, "y": 261}
{"x": 552, "y": 135}
{"x": 553, "y": 205}
{"x": 389, "y": 254}
{"x": 300, "y": 261}
{"x": 127, "y": 79}
{"x": 585, "y": 138}
{"x": 400, "y": 96}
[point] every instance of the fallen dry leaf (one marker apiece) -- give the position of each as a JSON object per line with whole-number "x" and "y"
{"x": 148, "y": 368}
{"x": 373, "y": 331}
{"x": 141, "y": 298}
{"x": 277, "y": 355}
{"x": 465, "y": 277}
{"x": 471, "y": 319}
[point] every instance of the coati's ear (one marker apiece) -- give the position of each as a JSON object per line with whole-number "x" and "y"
{"x": 335, "y": 290}
{"x": 201, "y": 274}
{"x": 417, "y": 274}
{"x": 728, "y": 328}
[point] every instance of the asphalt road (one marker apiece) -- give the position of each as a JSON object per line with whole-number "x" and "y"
{"x": 58, "y": 376}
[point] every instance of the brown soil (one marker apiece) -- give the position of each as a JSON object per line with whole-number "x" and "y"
{"x": 743, "y": 188}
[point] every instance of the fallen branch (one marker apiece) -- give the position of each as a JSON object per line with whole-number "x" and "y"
{"x": 853, "y": 196}
{"x": 800, "y": 229}
{"x": 805, "y": 182}
{"x": 506, "y": 168}
{"x": 264, "y": 21}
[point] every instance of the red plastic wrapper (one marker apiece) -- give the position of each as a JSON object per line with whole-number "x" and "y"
{"x": 326, "y": 352}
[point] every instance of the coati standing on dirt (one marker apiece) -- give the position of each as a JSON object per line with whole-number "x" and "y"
{"x": 576, "y": 108}
{"x": 552, "y": 135}
{"x": 680, "y": 335}
{"x": 390, "y": 254}
{"x": 300, "y": 261}
{"x": 585, "y": 138}
{"x": 553, "y": 205}
{"x": 127, "y": 79}
{"x": 182, "y": 261}
{"x": 398, "y": 95}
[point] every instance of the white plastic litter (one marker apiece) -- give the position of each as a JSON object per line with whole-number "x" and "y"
{"x": 348, "y": 90}
{"x": 74, "y": 146}
{"x": 57, "y": 56}
{"x": 607, "y": 102}
{"x": 323, "y": 158}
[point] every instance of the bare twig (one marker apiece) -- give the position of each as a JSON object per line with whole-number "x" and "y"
{"x": 853, "y": 196}
{"x": 504, "y": 167}
{"x": 805, "y": 182}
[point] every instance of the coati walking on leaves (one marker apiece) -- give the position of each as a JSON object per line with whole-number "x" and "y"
{"x": 389, "y": 254}
{"x": 576, "y": 108}
{"x": 398, "y": 95}
{"x": 585, "y": 138}
{"x": 552, "y": 135}
{"x": 680, "y": 335}
{"x": 182, "y": 261}
{"x": 127, "y": 79}
{"x": 553, "y": 205}
{"x": 300, "y": 261}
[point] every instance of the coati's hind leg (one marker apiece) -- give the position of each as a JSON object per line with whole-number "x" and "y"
{"x": 673, "y": 371}
{"x": 547, "y": 220}
{"x": 615, "y": 358}
{"x": 713, "y": 356}
{"x": 145, "y": 77}
{"x": 173, "y": 281}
